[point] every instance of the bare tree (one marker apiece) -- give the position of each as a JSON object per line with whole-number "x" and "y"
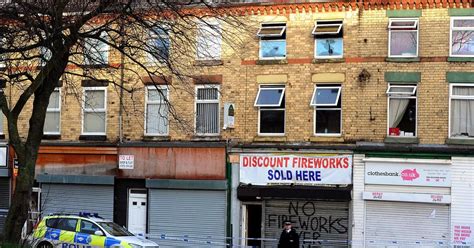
{"x": 44, "y": 42}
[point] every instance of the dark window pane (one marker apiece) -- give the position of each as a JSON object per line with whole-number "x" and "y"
{"x": 272, "y": 121}
{"x": 53, "y": 223}
{"x": 67, "y": 224}
{"x": 402, "y": 117}
{"x": 88, "y": 227}
{"x": 269, "y": 97}
{"x": 327, "y": 96}
{"x": 328, "y": 121}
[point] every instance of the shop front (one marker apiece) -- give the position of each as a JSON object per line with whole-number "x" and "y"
{"x": 312, "y": 191}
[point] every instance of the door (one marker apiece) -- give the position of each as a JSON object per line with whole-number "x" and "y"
{"x": 137, "y": 209}
{"x": 253, "y": 225}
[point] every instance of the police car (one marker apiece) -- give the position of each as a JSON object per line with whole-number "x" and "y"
{"x": 83, "y": 231}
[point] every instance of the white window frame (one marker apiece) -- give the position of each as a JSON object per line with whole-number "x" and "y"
{"x": 314, "y": 32}
{"x": 161, "y": 102}
{"x": 84, "y": 110}
{"x": 3, "y": 57}
{"x": 209, "y": 31}
{"x": 196, "y": 101}
{"x": 396, "y": 29}
{"x": 451, "y": 97}
{"x": 325, "y": 87}
{"x": 283, "y": 29}
{"x": 45, "y": 56}
{"x": 56, "y": 110}
{"x": 269, "y": 105}
{"x": 106, "y": 50}
{"x": 452, "y": 28}
{"x": 276, "y": 86}
{"x": 414, "y": 87}
{"x": 326, "y": 105}
{"x": 404, "y": 95}
{"x": 152, "y": 38}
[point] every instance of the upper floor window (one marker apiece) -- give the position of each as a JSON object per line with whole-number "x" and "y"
{"x": 156, "y": 121}
{"x": 159, "y": 45}
{"x": 328, "y": 39}
{"x": 402, "y": 110}
{"x": 461, "y": 111}
{"x": 462, "y": 37}
{"x": 52, "y": 121}
{"x": 272, "y": 40}
{"x": 207, "y": 110}
{"x": 403, "y": 38}
{"x": 327, "y": 109}
{"x": 94, "y": 110}
{"x": 270, "y": 101}
{"x": 209, "y": 40}
{"x": 3, "y": 57}
{"x": 45, "y": 56}
{"x": 96, "y": 51}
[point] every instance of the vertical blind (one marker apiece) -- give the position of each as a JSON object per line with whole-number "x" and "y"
{"x": 207, "y": 111}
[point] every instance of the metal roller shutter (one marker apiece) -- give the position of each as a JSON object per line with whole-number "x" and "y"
{"x": 67, "y": 198}
{"x": 314, "y": 220}
{"x": 197, "y": 213}
{"x": 406, "y": 223}
{"x": 5, "y": 202}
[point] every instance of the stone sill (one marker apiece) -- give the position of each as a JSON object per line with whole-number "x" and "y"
{"x": 335, "y": 60}
{"x": 401, "y": 140}
{"x": 51, "y": 136}
{"x": 402, "y": 60}
{"x": 460, "y": 59}
{"x": 93, "y": 137}
{"x": 272, "y": 62}
{"x": 277, "y": 139}
{"x": 460, "y": 141}
{"x": 208, "y": 62}
{"x": 327, "y": 139}
{"x": 207, "y": 138}
{"x": 156, "y": 138}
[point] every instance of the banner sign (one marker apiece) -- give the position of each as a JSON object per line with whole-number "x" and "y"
{"x": 391, "y": 173}
{"x": 407, "y": 197}
{"x": 265, "y": 169}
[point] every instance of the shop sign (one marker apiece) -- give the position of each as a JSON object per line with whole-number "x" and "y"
{"x": 391, "y": 173}
{"x": 258, "y": 169}
{"x": 126, "y": 162}
{"x": 407, "y": 197}
{"x": 463, "y": 235}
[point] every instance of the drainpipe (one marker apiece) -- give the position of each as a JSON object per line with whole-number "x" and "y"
{"x": 228, "y": 172}
{"x": 122, "y": 76}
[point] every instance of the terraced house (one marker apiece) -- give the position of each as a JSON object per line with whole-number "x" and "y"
{"x": 351, "y": 119}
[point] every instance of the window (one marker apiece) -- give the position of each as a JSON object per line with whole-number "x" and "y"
{"x": 207, "y": 110}
{"x": 3, "y": 56}
{"x": 402, "y": 110}
{"x": 45, "y": 56}
{"x": 403, "y": 38}
{"x": 326, "y": 101}
{"x": 462, "y": 37}
{"x": 52, "y": 121}
{"x": 159, "y": 45}
{"x": 209, "y": 39}
{"x": 66, "y": 224}
{"x": 328, "y": 39}
{"x": 271, "y": 103}
{"x": 89, "y": 227}
{"x": 96, "y": 51}
{"x": 156, "y": 122}
{"x": 461, "y": 111}
{"x": 94, "y": 111}
{"x": 272, "y": 40}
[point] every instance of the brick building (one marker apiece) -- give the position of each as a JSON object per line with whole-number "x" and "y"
{"x": 385, "y": 86}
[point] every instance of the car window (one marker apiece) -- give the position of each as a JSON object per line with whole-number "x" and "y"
{"x": 88, "y": 227}
{"x": 52, "y": 222}
{"x": 66, "y": 224}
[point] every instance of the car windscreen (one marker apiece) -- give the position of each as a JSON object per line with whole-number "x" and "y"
{"x": 114, "y": 229}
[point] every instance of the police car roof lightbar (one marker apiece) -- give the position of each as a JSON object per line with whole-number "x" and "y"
{"x": 87, "y": 214}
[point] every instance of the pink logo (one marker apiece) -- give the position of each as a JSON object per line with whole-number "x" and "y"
{"x": 410, "y": 175}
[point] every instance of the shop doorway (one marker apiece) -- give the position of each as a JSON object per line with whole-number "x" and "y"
{"x": 137, "y": 209}
{"x": 252, "y": 224}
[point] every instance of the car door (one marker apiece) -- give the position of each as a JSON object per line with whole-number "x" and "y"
{"x": 86, "y": 234}
{"x": 61, "y": 230}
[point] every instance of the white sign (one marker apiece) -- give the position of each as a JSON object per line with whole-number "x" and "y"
{"x": 3, "y": 156}
{"x": 463, "y": 234}
{"x": 392, "y": 173}
{"x": 229, "y": 115}
{"x": 407, "y": 197}
{"x": 258, "y": 169}
{"x": 126, "y": 162}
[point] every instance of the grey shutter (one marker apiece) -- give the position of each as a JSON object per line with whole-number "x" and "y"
{"x": 72, "y": 199}
{"x": 406, "y": 223}
{"x": 313, "y": 220}
{"x": 196, "y": 213}
{"x": 5, "y": 200}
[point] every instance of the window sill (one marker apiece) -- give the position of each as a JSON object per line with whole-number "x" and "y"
{"x": 329, "y": 60}
{"x": 323, "y": 139}
{"x": 460, "y": 141}
{"x": 93, "y": 137}
{"x": 156, "y": 138}
{"x": 51, "y": 136}
{"x": 269, "y": 138}
{"x": 401, "y": 140}
{"x": 198, "y": 137}
{"x": 208, "y": 62}
{"x": 272, "y": 62}
{"x": 402, "y": 60}
{"x": 460, "y": 59}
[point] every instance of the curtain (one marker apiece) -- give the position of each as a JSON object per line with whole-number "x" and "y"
{"x": 462, "y": 113}
{"x": 397, "y": 110}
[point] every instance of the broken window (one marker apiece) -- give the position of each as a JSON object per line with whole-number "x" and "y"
{"x": 328, "y": 39}
{"x": 272, "y": 40}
